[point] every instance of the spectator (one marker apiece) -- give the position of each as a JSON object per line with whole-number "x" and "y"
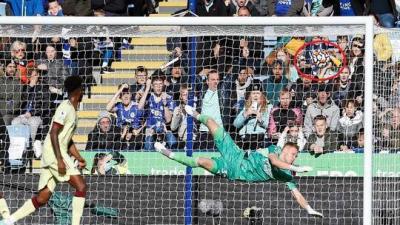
{"x": 261, "y": 7}
{"x": 282, "y": 115}
{"x": 351, "y": 7}
{"x": 243, "y": 11}
{"x": 385, "y": 11}
{"x": 54, "y": 8}
{"x": 111, "y": 8}
{"x": 175, "y": 79}
{"x": 253, "y": 120}
{"x": 289, "y": 69}
{"x": 276, "y": 82}
{"x": 26, "y": 8}
{"x": 105, "y": 135}
{"x": 141, "y": 75}
{"x": 102, "y": 164}
{"x": 292, "y": 133}
{"x": 233, "y": 7}
{"x": 76, "y": 52}
{"x": 160, "y": 107}
{"x": 311, "y": 7}
{"x": 37, "y": 104}
{"x": 322, "y": 140}
{"x": 105, "y": 46}
{"x": 179, "y": 117}
{"x": 243, "y": 81}
{"x": 389, "y": 135}
{"x": 304, "y": 92}
{"x": 129, "y": 115}
{"x": 247, "y": 51}
{"x": 18, "y": 50}
{"x": 211, "y": 8}
{"x": 359, "y": 146}
{"x": 10, "y": 93}
{"x": 55, "y": 72}
{"x": 218, "y": 103}
{"x": 142, "y": 7}
{"x": 356, "y": 66}
{"x": 344, "y": 89}
{"x": 351, "y": 122}
{"x": 323, "y": 106}
{"x": 343, "y": 42}
{"x": 285, "y": 7}
{"x": 77, "y": 8}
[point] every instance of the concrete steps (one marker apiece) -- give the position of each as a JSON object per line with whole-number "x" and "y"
{"x": 172, "y": 6}
{"x": 155, "y": 54}
{"x": 118, "y": 78}
{"x": 129, "y": 65}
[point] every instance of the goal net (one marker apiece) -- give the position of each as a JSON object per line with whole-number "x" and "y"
{"x": 265, "y": 85}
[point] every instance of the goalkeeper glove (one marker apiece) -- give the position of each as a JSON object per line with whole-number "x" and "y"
{"x": 312, "y": 212}
{"x": 300, "y": 169}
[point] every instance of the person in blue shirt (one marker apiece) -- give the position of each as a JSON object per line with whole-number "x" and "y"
{"x": 160, "y": 107}
{"x": 54, "y": 8}
{"x": 26, "y": 7}
{"x": 129, "y": 115}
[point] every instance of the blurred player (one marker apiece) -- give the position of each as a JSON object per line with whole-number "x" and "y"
{"x": 253, "y": 166}
{"x": 57, "y": 163}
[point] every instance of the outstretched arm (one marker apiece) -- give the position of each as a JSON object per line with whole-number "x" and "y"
{"x": 304, "y": 204}
{"x": 276, "y": 162}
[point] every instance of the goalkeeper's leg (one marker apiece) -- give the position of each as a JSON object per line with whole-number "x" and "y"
{"x": 206, "y": 163}
{"x": 204, "y": 119}
{"x": 78, "y": 201}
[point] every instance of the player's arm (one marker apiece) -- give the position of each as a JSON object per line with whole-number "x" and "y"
{"x": 75, "y": 153}
{"x": 304, "y": 204}
{"x": 276, "y": 162}
{"x": 55, "y": 130}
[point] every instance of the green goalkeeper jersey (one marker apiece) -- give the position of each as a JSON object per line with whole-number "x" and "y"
{"x": 236, "y": 164}
{"x": 254, "y": 167}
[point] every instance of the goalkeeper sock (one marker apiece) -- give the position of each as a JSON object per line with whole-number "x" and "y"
{"x": 4, "y": 211}
{"x": 203, "y": 118}
{"x": 78, "y": 202}
{"x": 185, "y": 160}
{"x": 27, "y": 208}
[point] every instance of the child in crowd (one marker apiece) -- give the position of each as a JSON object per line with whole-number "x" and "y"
{"x": 292, "y": 133}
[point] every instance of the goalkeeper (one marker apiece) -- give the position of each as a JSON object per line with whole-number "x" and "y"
{"x": 57, "y": 163}
{"x": 235, "y": 164}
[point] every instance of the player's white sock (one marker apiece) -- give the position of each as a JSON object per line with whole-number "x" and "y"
{"x": 26, "y": 209}
{"x": 162, "y": 149}
{"x": 78, "y": 204}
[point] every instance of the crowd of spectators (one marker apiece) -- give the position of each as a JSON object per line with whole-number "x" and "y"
{"x": 262, "y": 100}
{"x": 259, "y": 96}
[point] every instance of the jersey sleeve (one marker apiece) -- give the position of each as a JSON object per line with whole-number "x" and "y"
{"x": 60, "y": 116}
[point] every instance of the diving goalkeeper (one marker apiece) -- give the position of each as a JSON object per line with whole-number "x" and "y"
{"x": 236, "y": 164}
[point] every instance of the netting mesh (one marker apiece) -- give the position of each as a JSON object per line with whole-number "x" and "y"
{"x": 265, "y": 85}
